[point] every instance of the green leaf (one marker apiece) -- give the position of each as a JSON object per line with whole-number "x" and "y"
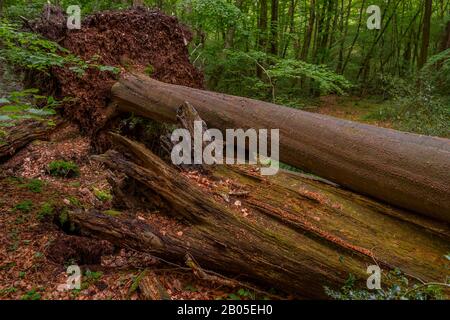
{"x": 109, "y": 68}
{"x": 232, "y": 296}
{"x": 5, "y": 118}
{"x": 40, "y": 112}
{"x": 14, "y": 108}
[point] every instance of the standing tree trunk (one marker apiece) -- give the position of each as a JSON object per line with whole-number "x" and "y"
{"x": 274, "y": 28}
{"x": 291, "y": 14}
{"x": 262, "y": 33}
{"x": 309, "y": 31}
{"x": 445, "y": 41}
{"x": 344, "y": 26}
{"x": 425, "y": 33}
{"x": 350, "y": 51}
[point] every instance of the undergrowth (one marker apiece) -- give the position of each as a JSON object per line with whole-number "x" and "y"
{"x": 401, "y": 288}
{"x": 65, "y": 169}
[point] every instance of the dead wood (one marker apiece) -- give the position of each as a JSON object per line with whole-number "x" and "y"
{"x": 299, "y": 235}
{"x": 407, "y": 170}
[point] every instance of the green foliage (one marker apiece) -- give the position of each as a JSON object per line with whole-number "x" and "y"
{"x": 437, "y": 71}
{"x": 149, "y": 70}
{"x": 74, "y": 201}
{"x": 242, "y": 294}
{"x": 136, "y": 281}
{"x": 31, "y": 51}
{"x": 245, "y": 293}
{"x": 237, "y": 75}
{"x": 34, "y": 185}
{"x": 327, "y": 80}
{"x": 190, "y": 288}
{"x": 33, "y": 294}
{"x": 61, "y": 168}
{"x": 111, "y": 69}
{"x": 63, "y": 217}
{"x": 112, "y": 213}
{"x": 401, "y": 289}
{"x": 415, "y": 108}
{"x": 93, "y": 275}
{"x": 6, "y": 291}
{"x": 102, "y": 195}
{"x": 20, "y": 105}
{"x": 24, "y": 206}
{"x": 89, "y": 278}
{"x": 15, "y": 9}
{"x": 211, "y": 15}
{"x": 46, "y": 210}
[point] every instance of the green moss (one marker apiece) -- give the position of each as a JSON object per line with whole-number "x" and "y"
{"x": 74, "y": 201}
{"x": 113, "y": 213}
{"x": 45, "y": 211}
{"x": 102, "y": 195}
{"x": 33, "y": 294}
{"x": 24, "y": 206}
{"x": 61, "y": 168}
{"x": 34, "y": 185}
{"x": 149, "y": 70}
{"x": 63, "y": 217}
{"x": 75, "y": 184}
{"x": 400, "y": 288}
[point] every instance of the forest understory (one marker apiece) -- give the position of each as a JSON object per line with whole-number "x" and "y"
{"x": 86, "y": 177}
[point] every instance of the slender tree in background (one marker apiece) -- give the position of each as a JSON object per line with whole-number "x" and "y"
{"x": 425, "y": 33}
{"x": 274, "y": 28}
{"x": 262, "y": 32}
{"x": 309, "y": 31}
{"x": 262, "y": 24}
{"x": 445, "y": 41}
{"x": 355, "y": 39}
{"x": 344, "y": 32}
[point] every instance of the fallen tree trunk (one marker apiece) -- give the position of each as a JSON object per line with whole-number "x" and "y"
{"x": 21, "y": 135}
{"x": 407, "y": 170}
{"x": 286, "y": 232}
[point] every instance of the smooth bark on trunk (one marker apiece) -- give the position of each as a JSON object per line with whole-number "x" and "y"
{"x": 298, "y": 235}
{"x": 404, "y": 169}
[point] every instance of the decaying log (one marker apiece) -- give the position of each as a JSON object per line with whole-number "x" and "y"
{"x": 151, "y": 288}
{"x": 407, "y": 170}
{"x": 298, "y": 236}
{"x": 21, "y": 135}
{"x": 186, "y": 118}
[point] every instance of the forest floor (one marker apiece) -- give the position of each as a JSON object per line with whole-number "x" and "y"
{"x": 352, "y": 108}
{"x": 35, "y": 252}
